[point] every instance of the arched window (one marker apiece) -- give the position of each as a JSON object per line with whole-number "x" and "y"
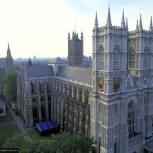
{"x": 49, "y": 110}
{"x": 132, "y": 57}
{"x": 40, "y": 87}
{"x": 128, "y": 82}
{"x": 116, "y": 58}
{"x": 42, "y": 111}
{"x": 32, "y": 88}
{"x": 131, "y": 118}
{"x": 34, "y": 112}
{"x": 146, "y": 58}
{"x": 1, "y": 110}
{"x": 101, "y": 52}
{"x": 48, "y": 87}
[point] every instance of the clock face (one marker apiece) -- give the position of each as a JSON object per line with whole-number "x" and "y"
{"x": 101, "y": 86}
{"x": 116, "y": 86}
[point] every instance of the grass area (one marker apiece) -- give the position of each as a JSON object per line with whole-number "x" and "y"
{"x": 6, "y": 118}
{"x": 7, "y": 132}
{"x": 34, "y": 135}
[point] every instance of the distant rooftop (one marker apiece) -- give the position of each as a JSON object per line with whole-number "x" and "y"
{"x": 58, "y": 60}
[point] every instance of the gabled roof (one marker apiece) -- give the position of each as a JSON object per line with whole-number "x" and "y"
{"x": 57, "y": 60}
{"x": 80, "y": 74}
{"x": 39, "y": 71}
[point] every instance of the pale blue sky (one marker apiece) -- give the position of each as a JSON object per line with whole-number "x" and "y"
{"x": 40, "y": 27}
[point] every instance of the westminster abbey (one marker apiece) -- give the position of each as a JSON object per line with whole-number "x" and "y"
{"x": 112, "y": 101}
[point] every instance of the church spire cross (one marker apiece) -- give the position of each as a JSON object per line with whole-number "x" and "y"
{"x": 140, "y": 24}
{"x": 123, "y": 21}
{"x": 109, "y": 24}
{"x": 151, "y": 28}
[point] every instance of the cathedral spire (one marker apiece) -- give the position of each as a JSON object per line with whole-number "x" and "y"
{"x": 123, "y": 21}
{"x": 151, "y": 28}
{"x": 137, "y": 27}
{"x": 96, "y": 22}
{"x": 8, "y": 50}
{"x": 9, "y": 60}
{"x": 109, "y": 24}
{"x": 140, "y": 24}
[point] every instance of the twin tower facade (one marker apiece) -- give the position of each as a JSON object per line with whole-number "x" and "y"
{"x": 121, "y": 101}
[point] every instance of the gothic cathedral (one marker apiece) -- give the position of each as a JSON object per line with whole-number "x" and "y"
{"x": 122, "y": 87}
{"x": 111, "y": 102}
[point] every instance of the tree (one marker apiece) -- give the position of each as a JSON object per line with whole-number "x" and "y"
{"x": 63, "y": 143}
{"x": 15, "y": 142}
{"x": 10, "y": 86}
{"x": 73, "y": 143}
{"x": 47, "y": 146}
{"x": 30, "y": 147}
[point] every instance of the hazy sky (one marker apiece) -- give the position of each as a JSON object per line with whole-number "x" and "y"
{"x": 40, "y": 27}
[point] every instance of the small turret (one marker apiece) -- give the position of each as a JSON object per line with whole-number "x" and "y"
{"x": 96, "y": 22}
{"x": 68, "y": 36}
{"x": 151, "y": 28}
{"x": 109, "y": 23}
{"x": 127, "y": 23}
{"x": 29, "y": 62}
{"x": 81, "y": 35}
{"x": 140, "y": 24}
{"x": 137, "y": 27}
{"x": 123, "y": 21}
{"x": 73, "y": 34}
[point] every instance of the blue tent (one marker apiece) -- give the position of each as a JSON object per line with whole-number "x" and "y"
{"x": 47, "y": 127}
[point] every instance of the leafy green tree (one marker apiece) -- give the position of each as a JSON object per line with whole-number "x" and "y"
{"x": 10, "y": 86}
{"x": 74, "y": 143}
{"x": 16, "y": 141}
{"x": 64, "y": 143}
{"x": 47, "y": 146}
{"x": 30, "y": 147}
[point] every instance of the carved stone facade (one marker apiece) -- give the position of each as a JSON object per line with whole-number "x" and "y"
{"x": 122, "y": 113}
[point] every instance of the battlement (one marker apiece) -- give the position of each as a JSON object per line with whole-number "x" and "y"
{"x": 144, "y": 33}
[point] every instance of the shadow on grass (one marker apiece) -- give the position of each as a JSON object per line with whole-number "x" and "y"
{"x": 34, "y": 135}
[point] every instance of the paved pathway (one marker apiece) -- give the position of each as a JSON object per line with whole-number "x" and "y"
{"x": 18, "y": 121}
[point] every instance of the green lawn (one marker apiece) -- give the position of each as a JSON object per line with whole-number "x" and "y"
{"x": 7, "y": 132}
{"x": 6, "y": 118}
{"x": 35, "y": 135}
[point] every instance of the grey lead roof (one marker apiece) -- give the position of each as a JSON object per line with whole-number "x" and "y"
{"x": 80, "y": 74}
{"x": 39, "y": 71}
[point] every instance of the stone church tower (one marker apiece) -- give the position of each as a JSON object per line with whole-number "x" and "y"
{"x": 75, "y": 50}
{"x": 121, "y": 78}
{"x": 9, "y": 60}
